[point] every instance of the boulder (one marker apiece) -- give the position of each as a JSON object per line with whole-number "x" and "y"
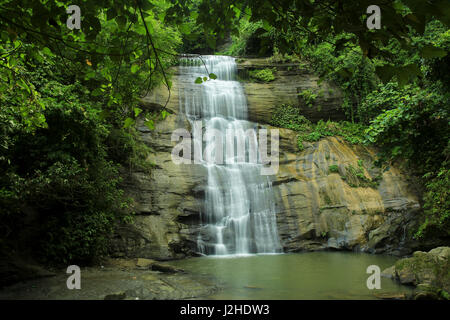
{"x": 389, "y": 272}
{"x": 143, "y": 263}
{"x": 428, "y": 271}
{"x": 165, "y": 268}
{"x": 428, "y": 268}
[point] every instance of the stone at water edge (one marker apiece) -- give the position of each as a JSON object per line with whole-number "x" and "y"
{"x": 390, "y": 296}
{"x": 165, "y": 268}
{"x": 389, "y": 272}
{"x": 143, "y": 263}
{"x": 428, "y": 271}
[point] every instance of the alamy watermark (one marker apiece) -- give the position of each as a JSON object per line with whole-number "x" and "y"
{"x": 374, "y": 20}
{"x": 74, "y": 280}
{"x": 374, "y": 281}
{"x": 241, "y": 147}
{"x": 74, "y": 20}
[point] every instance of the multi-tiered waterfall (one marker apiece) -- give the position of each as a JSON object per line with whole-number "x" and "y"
{"x": 238, "y": 215}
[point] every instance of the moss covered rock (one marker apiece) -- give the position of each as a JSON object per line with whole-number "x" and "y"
{"x": 429, "y": 271}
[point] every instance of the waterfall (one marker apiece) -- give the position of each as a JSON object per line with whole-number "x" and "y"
{"x": 238, "y": 215}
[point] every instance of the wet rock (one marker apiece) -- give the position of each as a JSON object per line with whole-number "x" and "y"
{"x": 319, "y": 210}
{"x": 431, "y": 268}
{"x": 389, "y": 272}
{"x": 143, "y": 263}
{"x": 160, "y": 198}
{"x": 428, "y": 271}
{"x": 290, "y": 80}
{"x": 114, "y": 283}
{"x": 14, "y": 269}
{"x": 426, "y": 292}
{"x": 165, "y": 268}
{"x": 390, "y": 296}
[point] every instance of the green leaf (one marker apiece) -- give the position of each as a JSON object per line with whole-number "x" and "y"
{"x": 121, "y": 21}
{"x": 128, "y": 122}
{"x": 211, "y": 42}
{"x": 213, "y": 76}
{"x": 97, "y": 92}
{"x": 147, "y": 5}
{"x": 266, "y": 25}
{"x": 47, "y": 51}
{"x": 134, "y": 68}
{"x": 149, "y": 124}
{"x": 198, "y": 80}
{"x": 185, "y": 29}
{"x": 164, "y": 114}
{"x": 385, "y": 73}
{"x": 137, "y": 111}
{"x": 430, "y": 51}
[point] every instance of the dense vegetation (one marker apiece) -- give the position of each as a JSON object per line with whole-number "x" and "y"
{"x": 68, "y": 103}
{"x": 69, "y": 98}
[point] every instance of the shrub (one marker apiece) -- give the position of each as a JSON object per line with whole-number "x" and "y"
{"x": 308, "y": 97}
{"x": 333, "y": 168}
{"x": 289, "y": 117}
{"x": 263, "y": 75}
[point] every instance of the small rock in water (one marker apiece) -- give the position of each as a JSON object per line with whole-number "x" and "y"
{"x": 165, "y": 268}
{"x": 252, "y": 287}
{"x": 389, "y": 272}
{"x": 143, "y": 263}
{"x": 390, "y": 296}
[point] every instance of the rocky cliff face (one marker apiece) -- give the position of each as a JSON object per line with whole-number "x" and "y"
{"x": 322, "y": 209}
{"x": 316, "y": 208}
{"x": 290, "y": 81}
{"x": 163, "y": 199}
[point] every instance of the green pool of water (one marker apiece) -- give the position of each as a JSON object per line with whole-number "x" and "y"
{"x": 316, "y": 275}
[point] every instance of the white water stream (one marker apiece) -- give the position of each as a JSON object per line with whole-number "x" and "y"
{"x": 238, "y": 215}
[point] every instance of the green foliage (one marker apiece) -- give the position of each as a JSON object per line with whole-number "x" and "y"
{"x": 67, "y": 126}
{"x": 444, "y": 294}
{"x": 353, "y": 73}
{"x": 199, "y": 80}
{"x": 356, "y": 177}
{"x": 314, "y": 23}
{"x": 263, "y": 75}
{"x": 117, "y": 52}
{"x": 308, "y": 97}
{"x": 436, "y": 204}
{"x": 279, "y": 57}
{"x": 289, "y": 117}
{"x": 333, "y": 168}
{"x": 64, "y": 174}
{"x": 251, "y": 38}
{"x": 414, "y": 126}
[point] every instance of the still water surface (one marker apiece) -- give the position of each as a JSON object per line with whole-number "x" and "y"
{"x": 315, "y": 275}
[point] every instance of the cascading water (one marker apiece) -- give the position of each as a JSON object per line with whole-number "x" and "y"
{"x": 238, "y": 215}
